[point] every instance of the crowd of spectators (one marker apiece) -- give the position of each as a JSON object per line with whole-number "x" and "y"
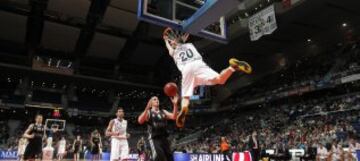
{"x": 292, "y": 126}
{"x": 306, "y": 71}
{"x": 322, "y": 121}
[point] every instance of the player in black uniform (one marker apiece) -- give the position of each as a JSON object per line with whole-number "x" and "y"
{"x": 96, "y": 145}
{"x": 35, "y": 134}
{"x": 77, "y": 147}
{"x": 141, "y": 149}
{"x": 156, "y": 120}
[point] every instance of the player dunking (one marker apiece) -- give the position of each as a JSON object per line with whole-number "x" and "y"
{"x": 35, "y": 135}
{"x": 117, "y": 130}
{"x": 156, "y": 120}
{"x": 193, "y": 69}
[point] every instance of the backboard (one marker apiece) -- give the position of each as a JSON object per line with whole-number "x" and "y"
{"x": 204, "y": 18}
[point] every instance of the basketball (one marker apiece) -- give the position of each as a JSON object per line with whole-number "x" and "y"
{"x": 170, "y": 89}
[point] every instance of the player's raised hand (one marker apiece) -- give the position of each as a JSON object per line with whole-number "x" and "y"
{"x": 175, "y": 99}
{"x": 149, "y": 104}
{"x": 166, "y": 38}
{"x": 166, "y": 33}
{"x": 185, "y": 37}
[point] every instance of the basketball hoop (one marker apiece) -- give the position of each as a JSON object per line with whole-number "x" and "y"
{"x": 55, "y": 125}
{"x": 174, "y": 34}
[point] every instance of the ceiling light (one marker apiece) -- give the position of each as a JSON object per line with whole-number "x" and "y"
{"x": 344, "y": 25}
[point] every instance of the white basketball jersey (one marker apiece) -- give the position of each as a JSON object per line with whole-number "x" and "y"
{"x": 120, "y": 127}
{"x": 184, "y": 54}
{"x": 62, "y": 144}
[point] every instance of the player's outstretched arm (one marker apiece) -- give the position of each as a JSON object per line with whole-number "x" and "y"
{"x": 173, "y": 115}
{"x": 144, "y": 116}
{"x": 185, "y": 37}
{"x": 168, "y": 46}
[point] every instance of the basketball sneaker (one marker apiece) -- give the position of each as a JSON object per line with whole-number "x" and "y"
{"x": 240, "y": 65}
{"x": 180, "y": 120}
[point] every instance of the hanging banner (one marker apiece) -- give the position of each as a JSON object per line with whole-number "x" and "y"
{"x": 262, "y": 23}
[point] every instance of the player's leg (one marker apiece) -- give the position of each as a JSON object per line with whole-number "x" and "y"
{"x": 153, "y": 149}
{"x": 29, "y": 151}
{"x": 60, "y": 154}
{"x": 185, "y": 103}
{"x": 222, "y": 77}
{"x": 115, "y": 150}
{"x": 75, "y": 156}
{"x": 235, "y": 65}
{"x": 160, "y": 153}
{"x": 167, "y": 150}
{"x": 212, "y": 78}
{"x": 188, "y": 83}
{"x": 124, "y": 151}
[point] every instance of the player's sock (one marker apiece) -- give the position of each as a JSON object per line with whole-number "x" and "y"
{"x": 180, "y": 120}
{"x": 240, "y": 65}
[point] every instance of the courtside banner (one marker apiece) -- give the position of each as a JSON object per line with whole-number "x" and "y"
{"x": 198, "y": 157}
{"x": 106, "y": 156}
{"x": 8, "y": 155}
{"x": 245, "y": 156}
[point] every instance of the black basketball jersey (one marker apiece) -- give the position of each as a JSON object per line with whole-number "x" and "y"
{"x": 157, "y": 124}
{"x": 37, "y": 130}
{"x": 96, "y": 140}
{"x": 77, "y": 143}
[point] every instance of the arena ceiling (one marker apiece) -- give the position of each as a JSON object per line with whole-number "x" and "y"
{"x": 104, "y": 38}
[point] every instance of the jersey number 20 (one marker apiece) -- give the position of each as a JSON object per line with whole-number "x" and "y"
{"x": 188, "y": 54}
